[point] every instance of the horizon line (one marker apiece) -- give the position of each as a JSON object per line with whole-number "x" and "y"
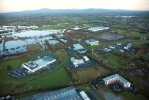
{"x": 69, "y": 9}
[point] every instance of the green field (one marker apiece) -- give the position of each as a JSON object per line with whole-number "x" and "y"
{"x": 47, "y": 81}
{"x": 115, "y": 61}
{"x": 87, "y": 73}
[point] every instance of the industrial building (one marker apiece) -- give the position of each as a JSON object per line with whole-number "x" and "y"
{"x": 79, "y": 48}
{"x": 94, "y": 29}
{"x": 92, "y": 42}
{"x": 116, "y": 78}
{"x": 77, "y": 62}
{"x": 68, "y": 93}
{"x": 33, "y": 66}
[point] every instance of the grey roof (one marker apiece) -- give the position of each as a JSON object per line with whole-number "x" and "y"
{"x": 68, "y": 93}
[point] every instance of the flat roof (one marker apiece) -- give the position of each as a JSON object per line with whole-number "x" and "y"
{"x": 68, "y": 93}
{"x": 39, "y": 62}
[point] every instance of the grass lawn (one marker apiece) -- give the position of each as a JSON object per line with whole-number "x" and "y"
{"x": 87, "y": 73}
{"x": 54, "y": 27}
{"x": 115, "y": 60}
{"x": 60, "y": 77}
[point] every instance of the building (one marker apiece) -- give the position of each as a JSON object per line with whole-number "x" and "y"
{"x": 33, "y": 66}
{"x": 112, "y": 47}
{"x": 79, "y": 48}
{"x": 84, "y": 96}
{"x": 85, "y": 58}
{"x": 92, "y": 42}
{"x": 68, "y": 93}
{"x": 94, "y": 29}
{"x": 77, "y": 62}
{"x": 116, "y": 78}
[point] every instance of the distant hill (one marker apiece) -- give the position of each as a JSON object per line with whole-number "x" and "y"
{"x": 72, "y": 11}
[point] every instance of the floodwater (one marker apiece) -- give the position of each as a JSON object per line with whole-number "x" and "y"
{"x": 37, "y": 33}
{"x": 15, "y": 46}
{"x": 53, "y": 42}
{"x": 65, "y": 41}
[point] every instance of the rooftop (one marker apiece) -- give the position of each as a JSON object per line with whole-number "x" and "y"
{"x": 68, "y": 93}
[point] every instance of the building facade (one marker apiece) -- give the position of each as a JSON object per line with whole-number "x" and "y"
{"x": 116, "y": 78}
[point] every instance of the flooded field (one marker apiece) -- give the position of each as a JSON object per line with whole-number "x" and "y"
{"x": 18, "y": 45}
{"x": 110, "y": 36}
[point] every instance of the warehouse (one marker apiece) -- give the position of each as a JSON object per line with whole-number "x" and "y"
{"x": 79, "y": 48}
{"x": 33, "y": 66}
{"x": 92, "y": 42}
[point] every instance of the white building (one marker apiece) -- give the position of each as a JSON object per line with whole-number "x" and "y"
{"x": 33, "y": 66}
{"x": 116, "y": 78}
{"x": 79, "y": 48}
{"x": 92, "y": 42}
{"x": 84, "y": 96}
{"x": 85, "y": 58}
{"x": 94, "y": 29}
{"x": 112, "y": 47}
{"x": 76, "y": 62}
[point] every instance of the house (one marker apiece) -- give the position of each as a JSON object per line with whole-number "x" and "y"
{"x": 92, "y": 42}
{"x": 35, "y": 65}
{"x": 116, "y": 78}
{"x": 79, "y": 48}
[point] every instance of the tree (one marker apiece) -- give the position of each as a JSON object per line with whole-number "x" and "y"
{"x": 1, "y": 68}
{"x": 9, "y": 67}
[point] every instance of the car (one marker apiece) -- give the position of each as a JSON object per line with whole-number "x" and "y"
{"x": 121, "y": 50}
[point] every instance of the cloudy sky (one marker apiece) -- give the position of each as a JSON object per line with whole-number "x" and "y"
{"x": 20, "y": 5}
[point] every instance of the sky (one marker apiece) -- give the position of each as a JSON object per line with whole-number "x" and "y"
{"x": 20, "y": 5}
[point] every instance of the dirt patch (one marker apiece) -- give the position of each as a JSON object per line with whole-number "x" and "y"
{"x": 110, "y": 36}
{"x": 109, "y": 96}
